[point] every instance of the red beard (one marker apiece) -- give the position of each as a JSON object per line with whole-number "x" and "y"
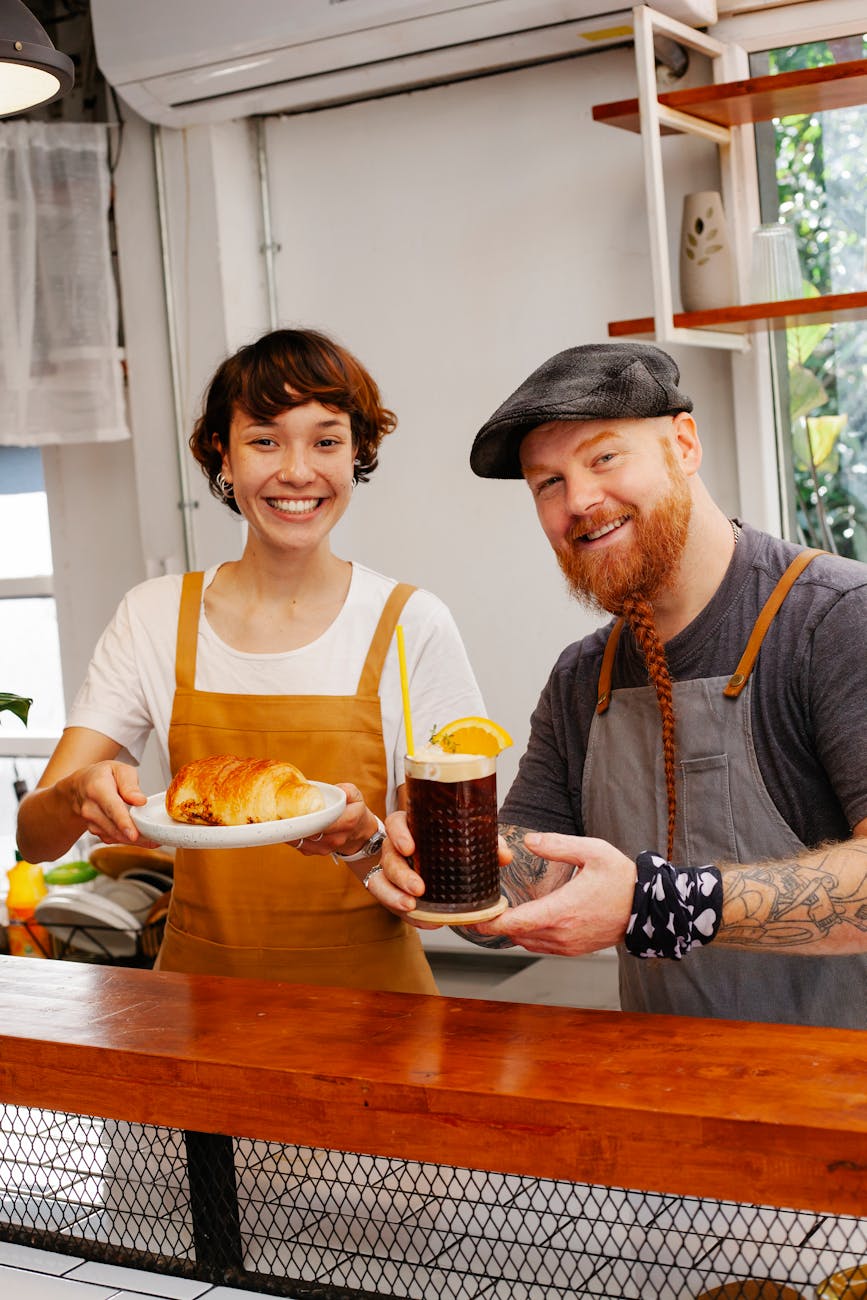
{"x": 603, "y": 579}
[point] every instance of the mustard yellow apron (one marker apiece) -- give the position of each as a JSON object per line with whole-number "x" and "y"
{"x": 272, "y": 912}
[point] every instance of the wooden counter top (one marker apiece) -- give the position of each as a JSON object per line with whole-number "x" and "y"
{"x": 767, "y": 1113}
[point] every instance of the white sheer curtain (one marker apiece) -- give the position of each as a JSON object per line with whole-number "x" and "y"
{"x": 61, "y": 379}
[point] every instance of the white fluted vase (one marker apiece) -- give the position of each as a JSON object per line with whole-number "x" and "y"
{"x": 707, "y": 267}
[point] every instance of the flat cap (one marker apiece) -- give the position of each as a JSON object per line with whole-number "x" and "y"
{"x": 598, "y": 381}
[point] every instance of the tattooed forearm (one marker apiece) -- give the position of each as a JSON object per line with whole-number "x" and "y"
{"x": 528, "y": 876}
{"x": 525, "y": 877}
{"x": 818, "y": 903}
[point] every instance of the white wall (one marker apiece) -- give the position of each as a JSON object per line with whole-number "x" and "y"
{"x": 454, "y": 239}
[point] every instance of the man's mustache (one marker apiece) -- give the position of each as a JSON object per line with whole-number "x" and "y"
{"x": 582, "y": 527}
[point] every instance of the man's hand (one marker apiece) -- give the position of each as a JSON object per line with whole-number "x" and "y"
{"x": 590, "y": 911}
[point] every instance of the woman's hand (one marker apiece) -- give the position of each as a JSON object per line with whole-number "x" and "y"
{"x": 398, "y": 886}
{"x": 100, "y": 795}
{"x": 348, "y": 834}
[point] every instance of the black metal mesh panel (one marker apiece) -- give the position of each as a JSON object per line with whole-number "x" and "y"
{"x": 307, "y": 1222}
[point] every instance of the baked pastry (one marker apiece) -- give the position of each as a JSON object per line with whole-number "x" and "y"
{"x": 226, "y": 791}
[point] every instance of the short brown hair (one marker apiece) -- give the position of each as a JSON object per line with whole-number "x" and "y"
{"x": 255, "y": 380}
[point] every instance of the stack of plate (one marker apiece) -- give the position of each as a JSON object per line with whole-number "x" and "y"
{"x": 103, "y": 919}
{"x": 158, "y": 880}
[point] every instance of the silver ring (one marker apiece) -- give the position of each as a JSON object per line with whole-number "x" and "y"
{"x": 297, "y": 843}
{"x": 371, "y": 873}
{"x": 316, "y": 837}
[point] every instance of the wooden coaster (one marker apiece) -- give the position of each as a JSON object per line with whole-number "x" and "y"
{"x": 461, "y": 918}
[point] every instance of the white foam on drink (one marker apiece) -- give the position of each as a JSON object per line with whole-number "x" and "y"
{"x": 430, "y": 763}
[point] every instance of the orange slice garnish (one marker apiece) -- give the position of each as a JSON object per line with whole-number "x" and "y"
{"x": 472, "y": 736}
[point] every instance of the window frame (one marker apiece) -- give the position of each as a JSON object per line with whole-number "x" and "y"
{"x": 18, "y": 746}
{"x": 765, "y": 486}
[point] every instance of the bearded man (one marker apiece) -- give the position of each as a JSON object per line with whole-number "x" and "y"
{"x": 720, "y": 716}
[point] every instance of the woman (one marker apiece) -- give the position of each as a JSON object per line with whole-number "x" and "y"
{"x": 287, "y": 652}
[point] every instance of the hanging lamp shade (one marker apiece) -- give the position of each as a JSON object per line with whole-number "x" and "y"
{"x": 32, "y": 71}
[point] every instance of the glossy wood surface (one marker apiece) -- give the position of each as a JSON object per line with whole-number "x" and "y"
{"x": 770, "y": 1114}
{"x": 754, "y": 316}
{"x": 755, "y": 99}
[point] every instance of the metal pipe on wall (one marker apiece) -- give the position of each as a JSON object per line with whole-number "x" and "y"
{"x": 268, "y": 247}
{"x": 186, "y": 504}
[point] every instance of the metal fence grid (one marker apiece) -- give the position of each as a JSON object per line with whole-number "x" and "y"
{"x": 305, "y": 1222}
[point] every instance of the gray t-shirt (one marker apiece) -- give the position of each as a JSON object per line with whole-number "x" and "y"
{"x": 809, "y": 700}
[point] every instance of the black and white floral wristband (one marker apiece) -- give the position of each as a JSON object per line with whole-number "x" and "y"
{"x": 674, "y": 909}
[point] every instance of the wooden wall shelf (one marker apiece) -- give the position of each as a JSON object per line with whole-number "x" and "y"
{"x": 756, "y": 315}
{"x": 756, "y": 99}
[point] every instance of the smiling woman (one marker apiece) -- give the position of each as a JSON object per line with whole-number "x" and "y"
{"x": 286, "y": 653}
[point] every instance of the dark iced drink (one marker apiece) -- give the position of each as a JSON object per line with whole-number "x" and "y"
{"x": 452, "y": 813}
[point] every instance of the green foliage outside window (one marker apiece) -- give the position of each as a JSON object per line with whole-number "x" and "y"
{"x": 822, "y": 191}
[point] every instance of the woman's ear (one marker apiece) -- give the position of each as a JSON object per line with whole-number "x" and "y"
{"x": 218, "y": 447}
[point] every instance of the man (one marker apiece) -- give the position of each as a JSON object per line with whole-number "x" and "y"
{"x": 689, "y": 726}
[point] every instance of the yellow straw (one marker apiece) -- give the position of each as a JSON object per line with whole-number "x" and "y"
{"x": 404, "y": 686}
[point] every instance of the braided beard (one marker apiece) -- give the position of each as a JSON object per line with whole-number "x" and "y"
{"x": 604, "y": 579}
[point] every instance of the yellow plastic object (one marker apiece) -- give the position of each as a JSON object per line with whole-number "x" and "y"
{"x": 26, "y": 888}
{"x": 472, "y": 736}
{"x": 846, "y": 1285}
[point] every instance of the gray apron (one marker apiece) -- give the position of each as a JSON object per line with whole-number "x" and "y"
{"x": 724, "y": 814}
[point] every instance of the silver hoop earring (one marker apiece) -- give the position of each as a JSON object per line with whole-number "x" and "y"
{"x": 227, "y": 489}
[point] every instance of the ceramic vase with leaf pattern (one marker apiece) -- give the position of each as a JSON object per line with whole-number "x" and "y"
{"x": 707, "y": 269}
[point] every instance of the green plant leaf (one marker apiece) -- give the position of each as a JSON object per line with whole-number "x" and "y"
{"x": 16, "y": 704}
{"x": 825, "y": 431}
{"x": 805, "y": 392}
{"x": 802, "y": 340}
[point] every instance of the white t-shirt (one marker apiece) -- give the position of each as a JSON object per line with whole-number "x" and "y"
{"x": 130, "y": 684}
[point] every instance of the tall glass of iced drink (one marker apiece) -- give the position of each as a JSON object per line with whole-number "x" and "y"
{"x": 452, "y": 814}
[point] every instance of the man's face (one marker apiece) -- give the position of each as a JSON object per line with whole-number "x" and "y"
{"x": 614, "y": 501}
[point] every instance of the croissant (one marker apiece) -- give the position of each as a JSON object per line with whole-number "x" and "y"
{"x": 226, "y": 791}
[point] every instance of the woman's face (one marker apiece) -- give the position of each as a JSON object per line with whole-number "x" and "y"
{"x": 292, "y": 475}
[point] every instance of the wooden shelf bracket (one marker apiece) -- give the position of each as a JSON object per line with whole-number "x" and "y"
{"x": 737, "y": 164}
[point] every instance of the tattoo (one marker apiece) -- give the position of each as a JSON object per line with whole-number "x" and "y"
{"x": 526, "y": 877}
{"x": 794, "y": 904}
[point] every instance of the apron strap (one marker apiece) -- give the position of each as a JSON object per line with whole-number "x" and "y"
{"x": 603, "y": 690}
{"x": 368, "y": 682}
{"x": 188, "y": 631}
{"x": 738, "y": 679}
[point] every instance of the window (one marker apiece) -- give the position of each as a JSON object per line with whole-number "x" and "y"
{"x": 29, "y": 645}
{"x": 815, "y": 179}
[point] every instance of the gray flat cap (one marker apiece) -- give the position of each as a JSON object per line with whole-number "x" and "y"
{"x": 598, "y": 381}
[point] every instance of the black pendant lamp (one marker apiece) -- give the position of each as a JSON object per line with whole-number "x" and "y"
{"x": 32, "y": 71}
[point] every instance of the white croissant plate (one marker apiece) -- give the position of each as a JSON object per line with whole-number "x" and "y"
{"x": 155, "y": 824}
